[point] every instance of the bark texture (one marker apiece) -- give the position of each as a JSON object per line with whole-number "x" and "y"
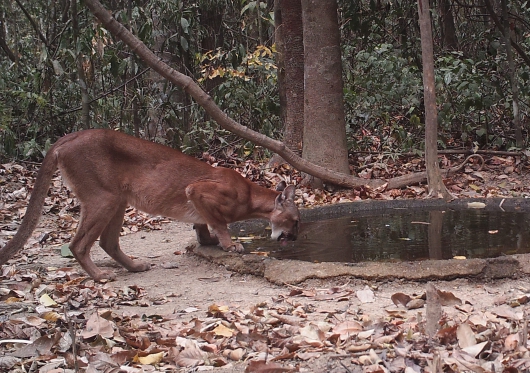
{"x": 324, "y": 123}
{"x": 290, "y": 57}
{"x": 434, "y": 176}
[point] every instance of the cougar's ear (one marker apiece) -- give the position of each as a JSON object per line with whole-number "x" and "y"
{"x": 281, "y": 186}
{"x": 286, "y": 197}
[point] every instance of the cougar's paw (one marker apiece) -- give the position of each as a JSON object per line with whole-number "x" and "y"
{"x": 236, "y": 248}
{"x": 140, "y": 266}
{"x": 104, "y": 276}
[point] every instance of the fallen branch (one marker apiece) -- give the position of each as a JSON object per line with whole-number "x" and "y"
{"x": 420, "y": 177}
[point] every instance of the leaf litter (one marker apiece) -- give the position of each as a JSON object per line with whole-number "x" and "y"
{"x": 58, "y": 320}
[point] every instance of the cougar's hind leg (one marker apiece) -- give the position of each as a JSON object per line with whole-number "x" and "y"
{"x": 204, "y": 236}
{"x": 95, "y": 216}
{"x": 109, "y": 241}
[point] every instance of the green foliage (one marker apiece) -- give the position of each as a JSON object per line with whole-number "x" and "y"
{"x": 469, "y": 102}
{"x": 383, "y": 94}
{"x": 228, "y": 47}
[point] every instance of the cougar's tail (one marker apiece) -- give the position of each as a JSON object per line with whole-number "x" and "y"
{"x": 34, "y": 210}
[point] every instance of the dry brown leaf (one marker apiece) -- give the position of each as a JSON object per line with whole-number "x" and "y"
{"x": 465, "y": 335}
{"x": 448, "y": 299}
{"x": 366, "y": 295}
{"x": 191, "y": 357}
{"x": 151, "y": 359}
{"x": 261, "y": 366}
{"x": 476, "y": 349}
{"x": 223, "y": 331}
{"x": 415, "y": 304}
{"x": 400, "y": 299}
{"x": 97, "y": 325}
{"x": 512, "y": 342}
{"x": 346, "y": 329}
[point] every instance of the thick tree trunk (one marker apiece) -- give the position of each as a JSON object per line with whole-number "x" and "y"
{"x": 447, "y": 23}
{"x": 211, "y": 19}
{"x": 324, "y": 122}
{"x": 434, "y": 177}
{"x": 290, "y": 51}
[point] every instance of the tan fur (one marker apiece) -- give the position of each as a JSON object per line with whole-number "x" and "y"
{"x": 108, "y": 170}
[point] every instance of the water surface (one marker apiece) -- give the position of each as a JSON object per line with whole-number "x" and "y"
{"x": 402, "y": 235}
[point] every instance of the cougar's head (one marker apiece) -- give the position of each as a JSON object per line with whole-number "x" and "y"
{"x": 285, "y": 216}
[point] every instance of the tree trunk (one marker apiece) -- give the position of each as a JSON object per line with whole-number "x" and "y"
{"x": 512, "y": 76}
{"x": 3, "y": 43}
{"x": 447, "y": 23}
{"x": 324, "y": 122}
{"x": 434, "y": 177}
{"x": 81, "y": 78}
{"x": 211, "y": 19}
{"x": 290, "y": 58}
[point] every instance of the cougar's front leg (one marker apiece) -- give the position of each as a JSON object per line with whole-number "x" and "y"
{"x": 213, "y": 201}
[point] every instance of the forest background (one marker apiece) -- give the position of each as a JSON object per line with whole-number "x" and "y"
{"x": 62, "y": 71}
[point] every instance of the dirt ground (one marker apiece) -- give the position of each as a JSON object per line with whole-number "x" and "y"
{"x": 182, "y": 283}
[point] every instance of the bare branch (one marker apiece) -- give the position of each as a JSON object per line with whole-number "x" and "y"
{"x": 498, "y": 23}
{"x": 33, "y": 23}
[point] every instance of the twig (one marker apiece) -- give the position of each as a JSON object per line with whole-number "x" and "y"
{"x": 449, "y": 151}
{"x": 103, "y": 94}
{"x": 2, "y": 341}
{"x": 345, "y": 367}
{"x": 455, "y": 169}
{"x": 524, "y": 331}
{"x": 293, "y": 286}
{"x": 33, "y": 23}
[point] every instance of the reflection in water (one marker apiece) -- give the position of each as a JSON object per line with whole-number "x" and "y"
{"x": 405, "y": 235}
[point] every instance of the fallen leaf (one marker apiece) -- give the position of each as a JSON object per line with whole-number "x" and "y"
{"x": 46, "y": 301}
{"x": 223, "y": 331}
{"x": 476, "y": 349}
{"x": 448, "y": 299}
{"x": 347, "y": 329}
{"x": 512, "y": 342}
{"x": 261, "y": 366}
{"x": 97, "y": 325}
{"x": 366, "y": 295}
{"x": 465, "y": 336}
{"x": 151, "y": 359}
{"x": 400, "y": 298}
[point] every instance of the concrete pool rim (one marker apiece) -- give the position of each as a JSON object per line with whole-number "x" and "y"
{"x": 289, "y": 271}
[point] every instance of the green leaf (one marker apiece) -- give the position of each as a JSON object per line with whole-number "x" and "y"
{"x": 184, "y": 43}
{"x": 185, "y": 24}
{"x": 448, "y": 77}
{"x": 250, "y": 6}
{"x": 65, "y": 251}
{"x": 480, "y": 131}
{"x": 57, "y": 68}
